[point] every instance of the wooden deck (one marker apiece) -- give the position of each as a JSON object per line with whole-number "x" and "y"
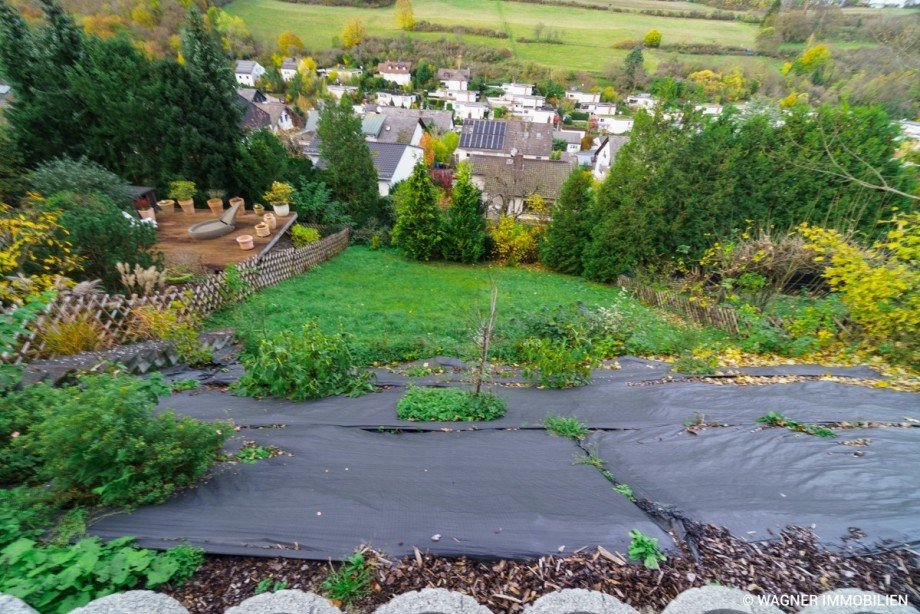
{"x": 176, "y": 243}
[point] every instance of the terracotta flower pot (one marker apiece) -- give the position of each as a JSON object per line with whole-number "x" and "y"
{"x": 148, "y": 214}
{"x": 167, "y": 206}
{"x": 237, "y": 199}
{"x": 258, "y": 209}
{"x": 271, "y": 220}
{"x": 245, "y": 242}
{"x": 216, "y": 205}
{"x": 281, "y": 209}
{"x": 188, "y": 206}
{"x": 262, "y": 229}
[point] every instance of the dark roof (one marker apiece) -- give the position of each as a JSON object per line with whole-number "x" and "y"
{"x": 395, "y": 67}
{"x": 386, "y": 157}
{"x": 567, "y": 136}
{"x": 245, "y": 67}
{"x": 520, "y": 177}
{"x": 250, "y": 94}
{"x": 289, "y": 64}
{"x": 511, "y": 136}
{"x": 399, "y": 125}
{"x": 616, "y": 141}
{"x": 454, "y": 74}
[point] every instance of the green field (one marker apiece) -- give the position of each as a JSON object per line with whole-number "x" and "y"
{"x": 587, "y": 34}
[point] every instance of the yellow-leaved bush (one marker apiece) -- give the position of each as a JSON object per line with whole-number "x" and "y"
{"x": 514, "y": 242}
{"x": 880, "y": 284}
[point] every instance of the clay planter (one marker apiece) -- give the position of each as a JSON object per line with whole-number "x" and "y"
{"x": 167, "y": 206}
{"x": 237, "y": 199}
{"x": 271, "y": 220}
{"x": 148, "y": 214}
{"x": 188, "y": 206}
{"x": 281, "y": 209}
{"x": 217, "y": 206}
{"x": 258, "y": 209}
{"x": 245, "y": 242}
{"x": 262, "y": 229}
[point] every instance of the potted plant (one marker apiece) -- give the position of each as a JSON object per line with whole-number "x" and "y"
{"x": 216, "y": 205}
{"x": 184, "y": 193}
{"x": 280, "y": 197}
{"x": 146, "y": 212}
{"x": 245, "y": 242}
{"x": 167, "y": 206}
{"x": 258, "y": 209}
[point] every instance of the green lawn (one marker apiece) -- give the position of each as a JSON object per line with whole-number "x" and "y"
{"x": 587, "y": 34}
{"x": 398, "y": 309}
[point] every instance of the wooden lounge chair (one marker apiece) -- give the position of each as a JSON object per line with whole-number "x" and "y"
{"x": 216, "y": 228}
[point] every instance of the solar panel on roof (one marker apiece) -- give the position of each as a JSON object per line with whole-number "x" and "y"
{"x": 484, "y": 134}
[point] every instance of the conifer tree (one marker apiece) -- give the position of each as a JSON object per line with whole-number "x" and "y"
{"x": 417, "y": 232}
{"x": 465, "y": 225}
{"x": 570, "y": 229}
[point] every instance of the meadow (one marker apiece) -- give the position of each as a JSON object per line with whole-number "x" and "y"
{"x": 586, "y": 34}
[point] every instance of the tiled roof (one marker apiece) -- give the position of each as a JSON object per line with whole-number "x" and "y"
{"x": 400, "y": 123}
{"x": 511, "y": 136}
{"x": 372, "y": 124}
{"x": 520, "y": 177}
{"x": 386, "y": 157}
{"x": 289, "y": 64}
{"x": 245, "y": 67}
{"x": 454, "y": 74}
{"x": 395, "y": 67}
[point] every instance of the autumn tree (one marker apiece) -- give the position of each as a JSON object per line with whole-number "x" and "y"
{"x": 353, "y": 33}
{"x": 289, "y": 44}
{"x": 405, "y": 19}
{"x": 652, "y": 39}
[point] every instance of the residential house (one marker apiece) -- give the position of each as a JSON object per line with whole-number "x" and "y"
{"x": 605, "y": 153}
{"x": 341, "y": 74}
{"x": 508, "y": 182}
{"x": 470, "y": 110}
{"x": 261, "y": 111}
{"x": 289, "y": 68}
{"x": 395, "y": 72}
{"x": 583, "y": 98}
{"x": 505, "y": 138}
{"x": 602, "y": 108}
{"x": 394, "y": 162}
{"x": 337, "y": 91}
{"x": 407, "y": 125}
{"x": 459, "y": 95}
{"x": 396, "y": 99}
{"x": 5, "y": 94}
{"x": 454, "y": 78}
{"x": 572, "y": 139}
{"x": 541, "y": 115}
{"x": 709, "y": 109}
{"x": 616, "y": 124}
{"x": 517, "y": 89}
{"x": 248, "y": 72}
{"x": 641, "y": 101}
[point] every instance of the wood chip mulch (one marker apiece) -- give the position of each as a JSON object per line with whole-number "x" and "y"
{"x": 791, "y": 564}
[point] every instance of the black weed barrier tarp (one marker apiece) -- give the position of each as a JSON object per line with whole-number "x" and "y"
{"x": 508, "y": 489}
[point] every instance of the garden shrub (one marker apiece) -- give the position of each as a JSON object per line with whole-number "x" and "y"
{"x": 102, "y": 443}
{"x": 301, "y": 236}
{"x": 21, "y": 413}
{"x": 314, "y": 204}
{"x": 695, "y": 363}
{"x": 82, "y": 177}
{"x": 449, "y": 405}
{"x": 177, "y": 325}
{"x": 557, "y": 363}
{"x": 306, "y": 365}
{"x": 82, "y": 334}
{"x": 513, "y": 242}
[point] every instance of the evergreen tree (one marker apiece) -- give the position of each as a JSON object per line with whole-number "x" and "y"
{"x": 210, "y": 109}
{"x": 417, "y": 232}
{"x": 12, "y": 170}
{"x": 262, "y": 160}
{"x": 569, "y": 231}
{"x": 465, "y": 227}
{"x": 634, "y": 67}
{"x": 350, "y": 170}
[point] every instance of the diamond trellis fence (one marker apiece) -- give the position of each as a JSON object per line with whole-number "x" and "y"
{"x": 114, "y": 313}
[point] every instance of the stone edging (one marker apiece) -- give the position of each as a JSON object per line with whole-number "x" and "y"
{"x": 441, "y": 601}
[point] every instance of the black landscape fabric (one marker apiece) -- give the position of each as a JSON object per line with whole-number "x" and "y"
{"x": 508, "y": 489}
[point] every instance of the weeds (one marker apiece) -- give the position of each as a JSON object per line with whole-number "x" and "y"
{"x": 626, "y": 491}
{"x": 251, "y": 452}
{"x": 566, "y": 427}
{"x": 269, "y": 585}
{"x": 777, "y": 419}
{"x": 644, "y": 548}
{"x": 181, "y": 385}
{"x": 449, "y": 405}
{"x": 350, "y": 582}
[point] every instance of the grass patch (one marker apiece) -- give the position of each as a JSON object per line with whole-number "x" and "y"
{"x": 449, "y": 405}
{"x": 566, "y": 427}
{"x": 252, "y": 452}
{"x": 397, "y": 310}
{"x": 777, "y": 419}
{"x": 350, "y": 582}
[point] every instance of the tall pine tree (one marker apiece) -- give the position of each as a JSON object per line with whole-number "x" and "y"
{"x": 570, "y": 229}
{"x": 465, "y": 225}
{"x": 210, "y": 109}
{"x": 350, "y": 170}
{"x": 417, "y": 232}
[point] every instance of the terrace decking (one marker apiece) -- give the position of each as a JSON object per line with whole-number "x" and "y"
{"x": 174, "y": 240}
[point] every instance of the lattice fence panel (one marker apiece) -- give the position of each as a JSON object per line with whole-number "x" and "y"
{"x": 115, "y": 312}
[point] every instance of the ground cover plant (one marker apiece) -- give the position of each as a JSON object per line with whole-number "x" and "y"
{"x": 396, "y": 310}
{"x": 307, "y": 364}
{"x": 566, "y": 427}
{"x": 774, "y": 418}
{"x": 351, "y": 581}
{"x": 449, "y": 405}
{"x": 645, "y": 549}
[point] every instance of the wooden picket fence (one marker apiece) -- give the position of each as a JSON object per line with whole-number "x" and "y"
{"x": 114, "y": 313}
{"x": 720, "y": 317}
